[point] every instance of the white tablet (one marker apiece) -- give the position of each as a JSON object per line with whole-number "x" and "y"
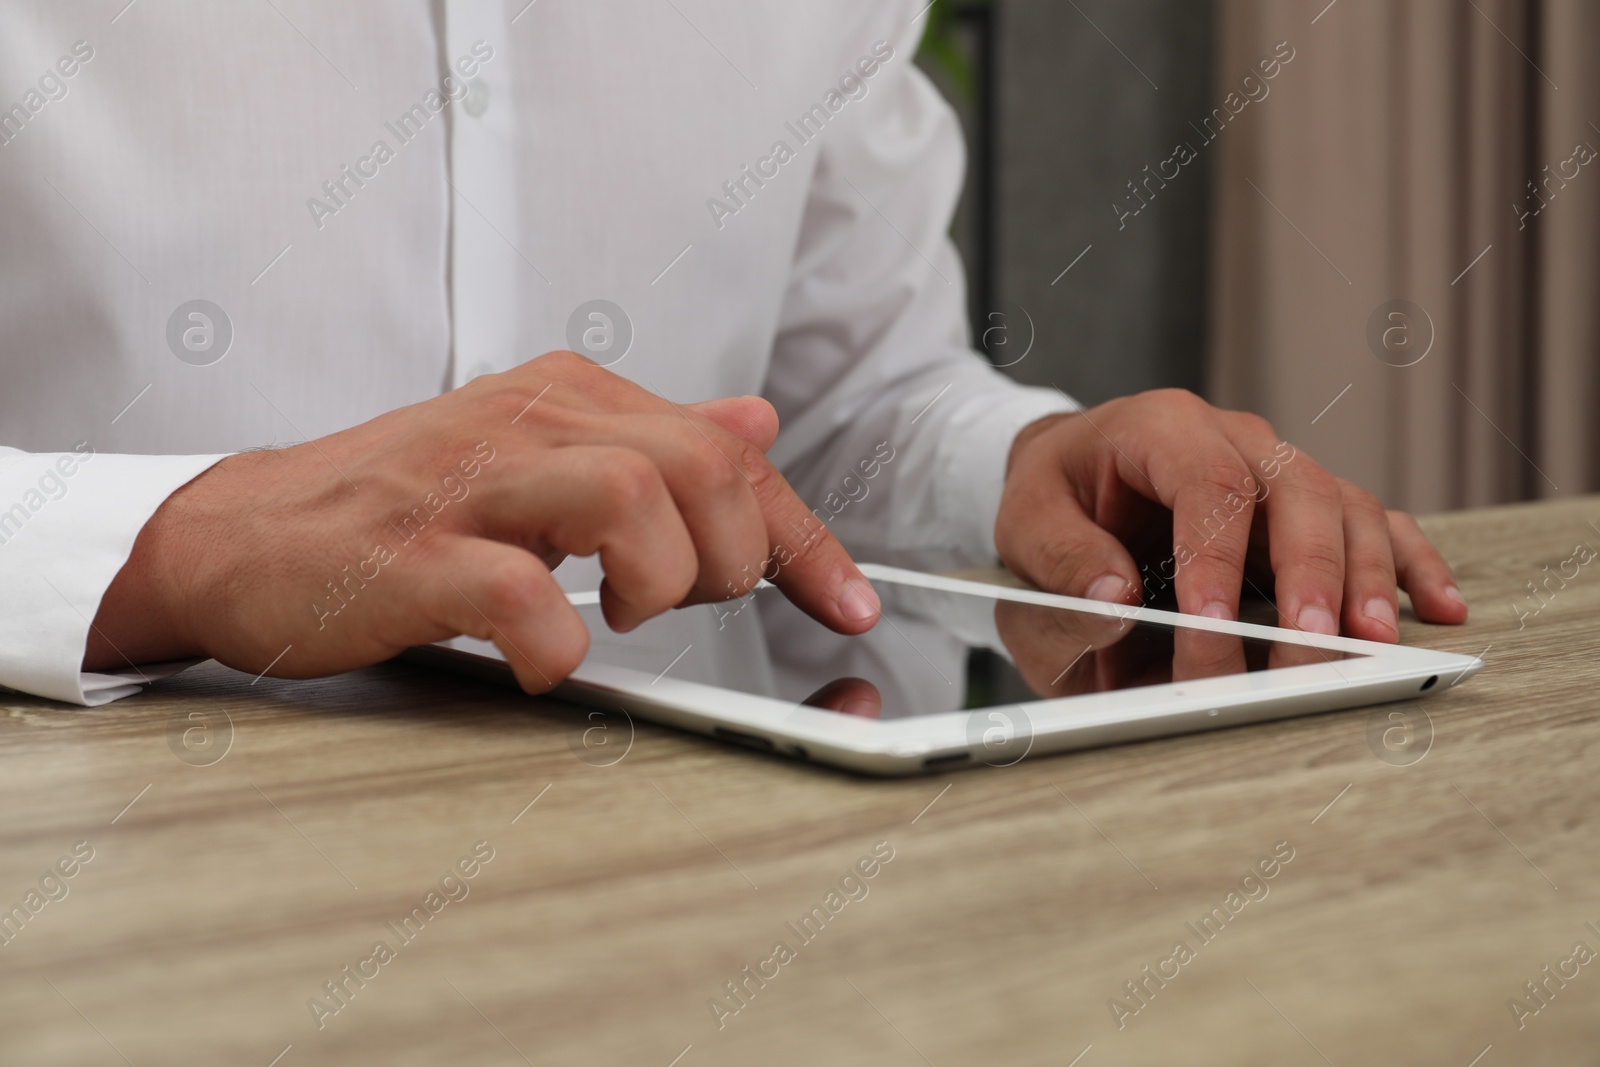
{"x": 1066, "y": 674}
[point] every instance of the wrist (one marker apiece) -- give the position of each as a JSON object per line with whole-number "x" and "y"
{"x": 148, "y": 613}
{"x": 1033, "y": 430}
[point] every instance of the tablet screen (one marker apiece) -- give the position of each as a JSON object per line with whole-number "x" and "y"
{"x": 919, "y": 659}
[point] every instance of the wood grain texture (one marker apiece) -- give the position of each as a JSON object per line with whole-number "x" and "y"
{"x": 1015, "y": 907}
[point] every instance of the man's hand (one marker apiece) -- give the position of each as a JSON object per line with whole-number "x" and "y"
{"x": 1207, "y": 501}
{"x": 447, "y": 517}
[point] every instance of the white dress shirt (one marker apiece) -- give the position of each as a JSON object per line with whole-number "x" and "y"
{"x": 380, "y": 200}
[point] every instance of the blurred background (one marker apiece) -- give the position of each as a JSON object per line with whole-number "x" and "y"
{"x": 1376, "y": 223}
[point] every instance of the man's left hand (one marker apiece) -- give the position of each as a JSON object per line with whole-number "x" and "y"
{"x": 1211, "y": 502}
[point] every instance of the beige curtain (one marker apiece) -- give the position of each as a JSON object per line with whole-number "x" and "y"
{"x": 1392, "y": 154}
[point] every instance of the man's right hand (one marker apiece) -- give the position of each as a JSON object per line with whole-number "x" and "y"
{"x": 446, "y": 518}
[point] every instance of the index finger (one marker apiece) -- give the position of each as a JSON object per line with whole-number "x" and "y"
{"x": 804, "y": 559}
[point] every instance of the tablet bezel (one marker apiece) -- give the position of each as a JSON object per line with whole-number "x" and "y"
{"x": 924, "y": 743}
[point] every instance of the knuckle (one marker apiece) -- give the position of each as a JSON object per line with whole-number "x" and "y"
{"x": 1317, "y": 556}
{"x": 565, "y": 359}
{"x": 1174, "y": 403}
{"x": 803, "y": 540}
{"x": 722, "y": 475}
{"x": 1405, "y": 529}
{"x": 1223, "y": 476}
{"x": 510, "y": 592}
{"x": 504, "y": 401}
{"x": 669, "y": 576}
{"x": 1359, "y": 500}
{"x": 628, "y": 481}
{"x": 1323, "y": 486}
{"x": 1253, "y": 424}
{"x": 559, "y": 366}
{"x": 678, "y": 574}
{"x": 724, "y": 469}
{"x": 1373, "y": 565}
{"x": 1181, "y": 398}
{"x": 715, "y": 467}
{"x": 754, "y": 469}
{"x": 1063, "y": 563}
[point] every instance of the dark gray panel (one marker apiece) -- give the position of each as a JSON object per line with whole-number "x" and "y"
{"x": 1090, "y": 94}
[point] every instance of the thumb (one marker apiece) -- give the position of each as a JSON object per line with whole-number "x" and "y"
{"x": 1044, "y": 536}
{"x": 749, "y": 417}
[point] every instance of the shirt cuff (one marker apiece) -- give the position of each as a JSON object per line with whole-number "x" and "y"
{"x": 68, "y": 521}
{"x": 102, "y": 687}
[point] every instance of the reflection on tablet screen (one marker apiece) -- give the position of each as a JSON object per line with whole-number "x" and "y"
{"x": 915, "y": 661}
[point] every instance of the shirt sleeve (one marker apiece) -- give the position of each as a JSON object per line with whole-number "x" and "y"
{"x": 68, "y": 521}
{"x": 872, "y": 357}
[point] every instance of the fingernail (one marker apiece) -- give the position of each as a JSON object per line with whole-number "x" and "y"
{"x": 1316, "y": 619}
{"x": 1107, "y": 587}
{"x": 1453, "y": 593}
{"x": 1217, "y": 610}
{"x": 860, "y": 707}
{"x": 1380, "y": 610}
{"x": 858, "y": 602}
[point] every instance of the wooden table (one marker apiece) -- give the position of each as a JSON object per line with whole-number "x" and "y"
{"x": 220, "y": 898}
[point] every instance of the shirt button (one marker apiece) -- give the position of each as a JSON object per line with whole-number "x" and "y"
{"x": 478, "y": 370}
{"x": 477, "y": 101}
